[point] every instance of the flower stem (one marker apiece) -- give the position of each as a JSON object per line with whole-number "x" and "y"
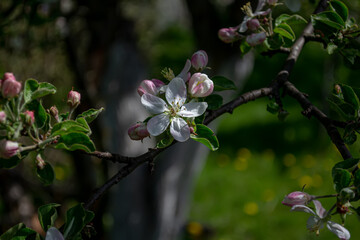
{"x": 326, "y": 196}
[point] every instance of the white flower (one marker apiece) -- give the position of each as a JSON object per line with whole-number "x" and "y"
{"x": 317, "y": 221}
{"x": 250, "y": 14}
{"x": 173, "y": 112}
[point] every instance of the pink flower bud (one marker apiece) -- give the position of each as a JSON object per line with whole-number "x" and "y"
{"x": 253, "y": 24}
{"x": 200, "y": 85}
{"x": 150, "y": 86}
{"x": 8, "y": 148}
{"x": 40, "y": 163}
{"x": 199, "y": 60}
{"x": 54, "y": 112}
{"x": 10, "y": 87}
{"x": 138, "y": 131}
{"x": 2, "y": 117}
{"x": 29, "y": 117}
{"x": 297, "y": 198}
{"x": 337, "y": 89}
{"x": 228, "y": 35}
{"x": 256, "y": 38}
{"x": 73, "y": 99}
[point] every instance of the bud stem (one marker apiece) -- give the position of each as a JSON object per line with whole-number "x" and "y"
{"x": 326, "y": 196}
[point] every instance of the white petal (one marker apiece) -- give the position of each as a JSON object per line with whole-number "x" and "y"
{"x": 302, "y": 208}
{"x": 320, "y": 210}
{"x": 314, "y": 223}
{"x": 158, "y": 124}
{"x": 153, "y": 103}
{"x": 176, "y": 92}
{"x": 243, "y": 25}
{"x": 179, "y": 129}
{"x": 193, "y": 109}
{"x": 53, "y": 234}
{"x": 339, "y": 230}
{"x": 185, "y": 70}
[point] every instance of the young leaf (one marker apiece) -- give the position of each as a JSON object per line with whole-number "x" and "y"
{"x": 205, "y": 136}
{"x": 11, "y": 233}
{"x": 76, "y": 219}
{"x": 90, "y": 114}
{"x": 222, "y": 83}
{"x": 165, "y": 141}
{"x": 76, "y": 141}
{"x": 348, "y": 164}
{"x": 46, "y": 175}
{"x": 331, "y": 48}
{"x": 357, "y": 179}
{"x": 285, "y": 30}
{"x": 275, "y": 41}
{"x": 345, "y": 110}
{"x": 340, "y": 8}
{"x": 47, "y": 215}
{"x": 289, "y": 19}
{"x": 69, "y": 126}
{"x": 273, "y": 108}
{"x": 341, "y": 178}
{"x": 9, "y": 163}
{"x": 214, "y": 101}
{"x": 34, "y": 90}
{"x": 350, "y": 96}
{"x": 244, "y": 48}
{"x": 39, "y": 112}
{"x": 330, "y": 19}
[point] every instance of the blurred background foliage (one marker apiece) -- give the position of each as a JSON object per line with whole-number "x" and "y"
{"x": 238, "y": 193}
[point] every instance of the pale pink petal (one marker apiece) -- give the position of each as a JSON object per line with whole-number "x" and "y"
{"x": 158, "y": 124}
{"x": 183, "y": 74}
{"x": 179, "y": 129}
{"x": 176, "y": 92}
{"x": 320, "y": 210}
{"x": 153, "y": 103}
{"x": 338, "y": 230}
{"x": 193, "y": 109}
{"x": 302, "y": 208}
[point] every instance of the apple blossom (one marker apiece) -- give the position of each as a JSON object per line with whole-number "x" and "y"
{"x": 228, "y": 35}
{"x": 138, "y": 131}
{"x": 256, "y": 39}
{"x": 297, "y": 198}
{"x": 199, "y": 60}
{"x": 319, "y": 218}
{"x": 73, "y": 99}
{"x": 173, "y": 111}
{"x": 150, "y": 86}
{"x": 10, "y": 87}
{"x": 8, "y": 148}
{"x": 200, "y": 85}
{"x": 249, "y": 14}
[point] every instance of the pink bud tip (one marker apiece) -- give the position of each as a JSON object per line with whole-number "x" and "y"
{"x": 199, "y": 60}
{"x": 297, "y": 198}
{"x": 73, "y": 99}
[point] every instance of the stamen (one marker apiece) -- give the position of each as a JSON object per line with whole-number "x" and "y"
{"x": 247, "y": 9}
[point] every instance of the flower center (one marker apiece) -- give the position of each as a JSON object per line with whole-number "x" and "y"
{"x": 247, "y": 10}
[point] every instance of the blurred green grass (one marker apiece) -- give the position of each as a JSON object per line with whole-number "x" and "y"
{"x": 239, "y": 193}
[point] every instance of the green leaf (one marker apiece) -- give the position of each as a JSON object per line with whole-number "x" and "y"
{"x": 9, "y": 163}
{"x": 69, "y": 126}
{"x": 357, "y": 180}
{"x": 205, "y": 136}
{"x": 214, "y": 101}
{"x": 34, "y": 90}
{"x": 341, "y": 178}
{"x": 39, "y": 112}
{"x": 165, "y": 141}
{"x": 330, "y": 19}
{"x": 76, "y": 219}
{"x": 285, "y": 30}
{"x": 275, "y": 41}
{"x": 289, "y": 19}
{"x": 47, "y": 215}
{"x": 345, "y": 110}
{"x": 349, "y": 137}
{"x": 46, "y": 175}
{"x": 76, "y": 141}
{"x": 348, "y": 164}
{"x": 273, "y": 108}
{"x": 90, "y": 114}
{"x": 11, "y": 233}
{"x": 350, "y": 96}
{"x": 244, "y": 48}
{"x": 331, "y": 48}
{"x": 222, "y": 83}
{"x": 340, "y": 8}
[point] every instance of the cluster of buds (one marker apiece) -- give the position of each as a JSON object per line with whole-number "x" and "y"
{"x": 253, "y": 27}
{"x": 9, "y": 86}
{"x": 298, "y": 202}
{"x": 168, "y": 104}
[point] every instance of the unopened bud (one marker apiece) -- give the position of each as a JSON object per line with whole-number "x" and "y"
{"x": 253, "y": 24}
{"x": 150, "y": 86}
{"x": 228, "y": 35}
{"x": 54, "y": 112}
{"x": 29, "y": 117}
{"x": 337, "y": 89}
{"x": 200, "y": 85}
{"x": 199, "y": 60}
{"x": 256, "y": 38}
{"x": 10, "y": 87}
{"x": 40, "y": 163}
{"x": 297, "y": 198}
{"x": 8, "y": 148}
{"x": 138, "y": 131}
{"x": 73, "y": 99}
{"x": 2, "y": 117}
